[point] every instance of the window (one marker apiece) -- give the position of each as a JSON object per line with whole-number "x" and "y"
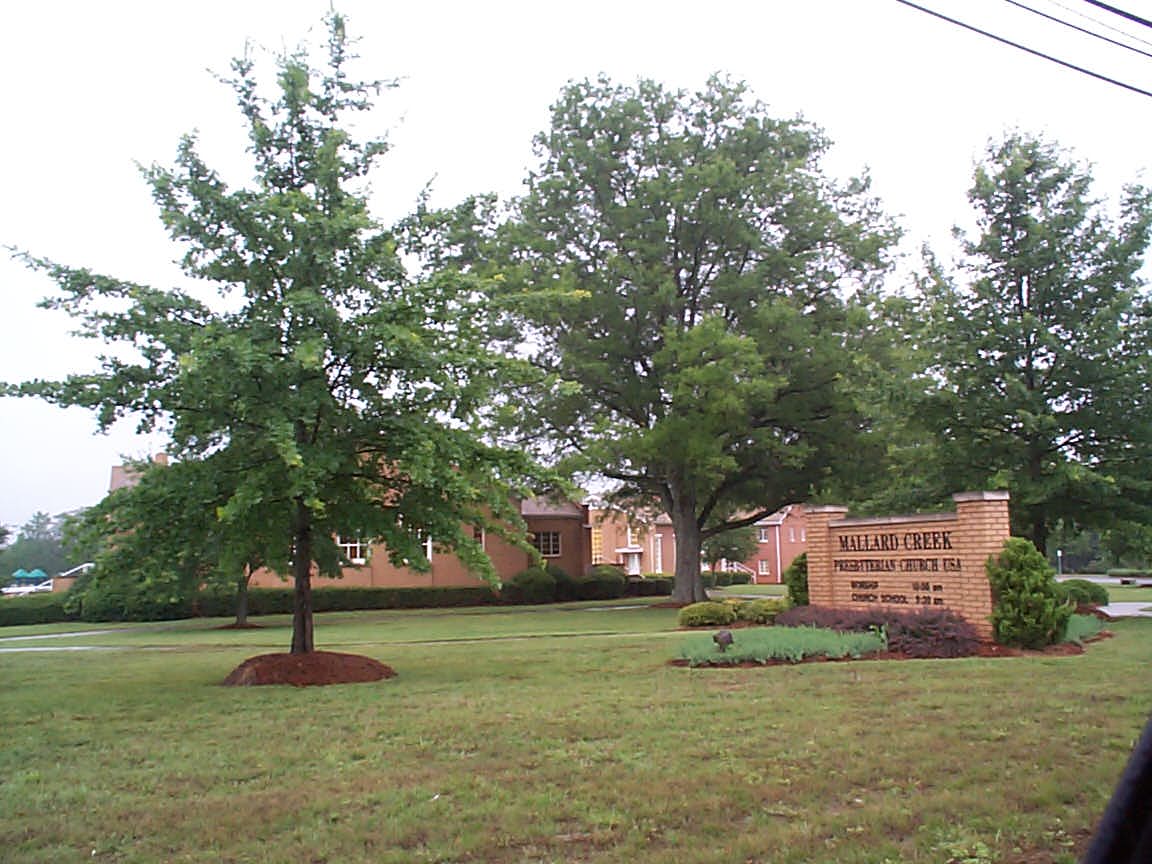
{"x": 657, "y": 553}
{"x": 354, "y": 550}
{"x": 803, "y": 535}
{"x": 763, "y": 537}
{"x": 597, "y": 544}
{"x": 547, "y": 543}
{"x": 791, "y": 535}
{"x": 762, "y": 568}
{"x": 479, "y": 536}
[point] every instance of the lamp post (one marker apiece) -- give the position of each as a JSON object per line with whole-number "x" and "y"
{"x": 1059, "y": 562}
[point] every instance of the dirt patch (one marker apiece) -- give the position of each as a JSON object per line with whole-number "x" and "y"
{"x": 304, "y": 670}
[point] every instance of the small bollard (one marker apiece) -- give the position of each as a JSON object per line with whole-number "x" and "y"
{"x": 723, "y": 639}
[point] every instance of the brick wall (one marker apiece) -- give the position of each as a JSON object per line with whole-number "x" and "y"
{"x": 908, "y": 562}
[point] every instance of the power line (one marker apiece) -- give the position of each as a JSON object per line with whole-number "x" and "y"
{"x": 1100, "y": 23}
{"x": 1119, "y": 12}
{"x": 1032, "y": 51}
{"x": 1077, "y": 27}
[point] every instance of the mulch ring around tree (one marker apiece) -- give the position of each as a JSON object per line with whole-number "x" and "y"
{"x": 316, "y": 668}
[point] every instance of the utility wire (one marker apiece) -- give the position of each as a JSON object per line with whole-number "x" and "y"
{"x": 1120, "y": 12}
{"x": 1100, "y": 23}
{"x": 1077, "y": 27}
{"x": 1033, "y": 51}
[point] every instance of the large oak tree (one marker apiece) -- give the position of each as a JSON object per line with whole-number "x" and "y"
{"x": 685, "y": 273}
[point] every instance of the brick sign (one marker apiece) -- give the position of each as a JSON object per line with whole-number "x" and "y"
{"x": 909, "y": 562}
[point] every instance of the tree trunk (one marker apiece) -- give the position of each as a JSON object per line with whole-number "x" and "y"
{"x": 302, "y": 576}
{"x": 242, "y": 597}
{"x": 689, "y": 587}
{"x": 1040, "y": 531}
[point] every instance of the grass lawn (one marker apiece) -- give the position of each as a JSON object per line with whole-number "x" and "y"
{"x": 554, "y": 736}
{"x": 1128, "y": 594}
{"x": 750, "y": 591}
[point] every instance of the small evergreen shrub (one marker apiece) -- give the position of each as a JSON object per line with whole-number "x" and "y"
{"x": 43, "y": 608}
{"x": 721, "y": 578}
{"x": 1027, "y": 609}
{"x": 796, "y": 578}
{"x": 533, "y": 585}
{"x": 1082, "y": 592}
{"x": 707, "y": 614}
{"x": 708, "y": 579}
{"x": 739, "y": 577}
{"x": 760, "y": 611}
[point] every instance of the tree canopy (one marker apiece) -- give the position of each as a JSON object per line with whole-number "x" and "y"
{"x": 1041, "y": 345}
{"x": 343, "y": 392}
{"x": 686, "y": 278}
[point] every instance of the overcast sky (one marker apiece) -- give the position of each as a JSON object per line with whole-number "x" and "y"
{"x": 92, "y": 89}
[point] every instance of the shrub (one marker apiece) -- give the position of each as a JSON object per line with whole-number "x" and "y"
{"x": 931, "y": 633}
{"x": 1082, "y": 592}
{"x": 721, "y": 578}
{"x": 603, "y": 582}
{"x": 649, "y": 586}
{"x": 1129, "y": 573}
{"x": 796, "y": 578}
{"x": 739, "y": 577}
{"x": 1027, "y": 609}
{"x": 1080, "y": 628}
{"x": 760, "y": 611}
{"x": 565, "y": 584}
{"x": 779, "y": 643}
{"x": 534, "y": 585}
{"x": 707, "y": 614}
{"x": 917, "y": 633}
{"x": 708, "y": 579}
{"x": 33, "y": 609}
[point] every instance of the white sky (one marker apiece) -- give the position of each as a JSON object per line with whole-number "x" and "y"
{"x": 93, "y": 88}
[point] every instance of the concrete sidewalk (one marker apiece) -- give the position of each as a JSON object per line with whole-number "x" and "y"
{"x": 1127, "y": 610}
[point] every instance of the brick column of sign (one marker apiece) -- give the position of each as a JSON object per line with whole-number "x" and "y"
{"x": 982, "y": 527}
{"x": 820, "y": 551}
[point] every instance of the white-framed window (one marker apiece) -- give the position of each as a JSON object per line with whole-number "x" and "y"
{"x": 803, "y": 536}
{"x": 657, "y": 553}
{"x": 597, "y": 544}
{"x": 354, "y": 549}
{"x": 547, "y": 543}
{"x": 480, "y": 536}
{"x": 426, "y": 542}
{"x": 762, "y": 568}
{"x": 762, "y": 536}
{"x": 791, "y": 535}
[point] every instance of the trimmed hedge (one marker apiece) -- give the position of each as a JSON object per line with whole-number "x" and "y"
{"x": 532, "y": 586}
{"x": 279, "y": 601}
{"x": 1082, "y": 592}
{"x": 707, "y": 614}
{"x": 760, "y": 611}
{"x": 649, "y": 586}
{"x": 41, "y": 608}
{"x": 1130, "y": 573}
{"x": 603, "y": 582}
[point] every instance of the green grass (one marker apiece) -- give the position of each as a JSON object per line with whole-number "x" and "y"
{"x": 750, "y": 591}
{"x": 1128, "y": 594}
{"x": 581, "y": 746}
{"x": 1081, "y": 627}
{"x": 761, "y": 644}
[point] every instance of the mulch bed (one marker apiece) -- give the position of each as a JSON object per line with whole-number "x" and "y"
{"x": 316, "y": 668}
